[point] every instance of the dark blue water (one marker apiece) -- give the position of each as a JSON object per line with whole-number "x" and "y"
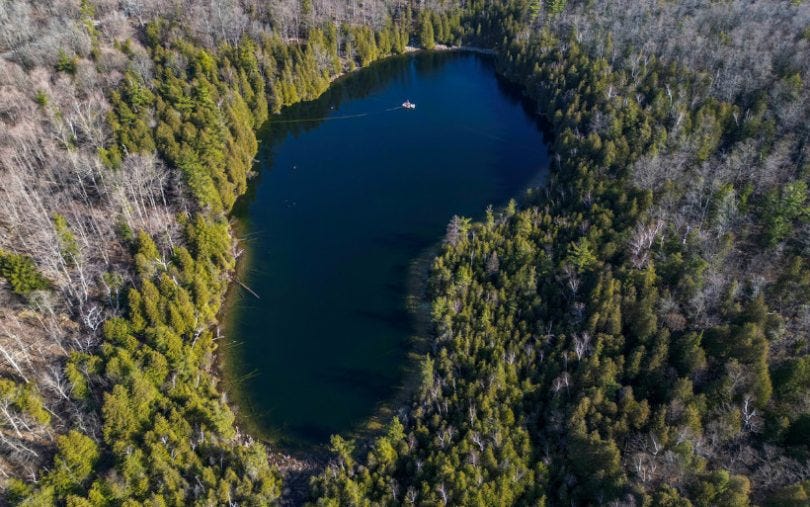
{"x": 351, "y": 190}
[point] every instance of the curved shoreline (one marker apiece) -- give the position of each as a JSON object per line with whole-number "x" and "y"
{"x": 244, "y": 420}
{"x": 443, "y": 47}
{"x": 297, "y": 464}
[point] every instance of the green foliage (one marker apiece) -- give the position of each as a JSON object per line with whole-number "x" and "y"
{"x": 66, "y": 63}
{"x": 147, "y": 255}
{"x": 721, "y": 488}
{"x": 41, "y": 98}
{"x": 596, "y": 463}
{"x": 24, "y": 399}
{"x": 581, "y": 255}
{"x": 76, "y": 457}
{"x": 555, "y": 6}
{"x": 782, "y": 208}
{"x": 793, "y": 495}
{"x": 162, "y": 397}
{"x": 792, "y": 378}
{"x": 21, "y": 273}
{"x": 68, "y": 246}
{"x": 426, "y": 31}
{"x": 130, "y": 119}
{"x": 79, "y": 368}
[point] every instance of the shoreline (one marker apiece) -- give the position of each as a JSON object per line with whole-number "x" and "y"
{"x": 297, "y": 465}
{"x": 444, "y": 47}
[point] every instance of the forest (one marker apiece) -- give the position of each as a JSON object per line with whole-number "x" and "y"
{"x": 635, "y": 332}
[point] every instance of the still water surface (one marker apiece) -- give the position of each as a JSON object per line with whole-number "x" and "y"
{"x": 351, "y": 190}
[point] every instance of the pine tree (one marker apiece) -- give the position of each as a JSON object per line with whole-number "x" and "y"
{"x": 426, "y": 37}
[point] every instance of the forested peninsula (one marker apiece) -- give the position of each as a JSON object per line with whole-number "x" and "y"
{"x": 634, "y": 332}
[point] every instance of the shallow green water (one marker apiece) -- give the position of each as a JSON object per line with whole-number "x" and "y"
{"x": 340, "y": 210}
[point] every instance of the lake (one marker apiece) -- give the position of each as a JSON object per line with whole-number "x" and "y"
{"x": 351, "y": 190}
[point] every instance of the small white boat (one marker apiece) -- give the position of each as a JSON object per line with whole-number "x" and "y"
{"x": 408, "y": 105}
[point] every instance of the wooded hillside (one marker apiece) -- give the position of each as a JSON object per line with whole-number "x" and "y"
{"x": 635, "y": 333}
